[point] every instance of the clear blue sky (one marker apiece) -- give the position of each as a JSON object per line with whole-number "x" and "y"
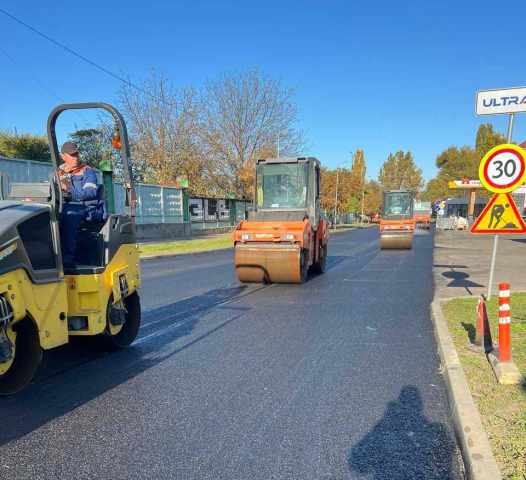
{"x": 378, "y": 75}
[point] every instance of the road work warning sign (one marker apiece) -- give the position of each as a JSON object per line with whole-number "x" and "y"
{"x": 500, "y": 216}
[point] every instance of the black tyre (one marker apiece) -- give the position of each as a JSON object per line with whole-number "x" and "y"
{"x": 319, "y": 266}
{"x": 27, "y": 356}
{"x": 130, "y": 328}
{"x": 304, "y": 265}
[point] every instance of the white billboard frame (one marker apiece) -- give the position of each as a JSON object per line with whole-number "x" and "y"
{"x": 512, "y": 100}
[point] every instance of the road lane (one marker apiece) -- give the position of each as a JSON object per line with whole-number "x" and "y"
{"x": 331, "y": 379}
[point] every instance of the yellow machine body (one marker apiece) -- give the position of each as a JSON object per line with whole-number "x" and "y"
{"x": 89, "y": 295}
{"x": 46, "y": 304}
{"x": 43, "y": 300}
{"x": 49, "y": 305}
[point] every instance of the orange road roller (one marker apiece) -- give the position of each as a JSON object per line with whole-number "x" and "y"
{"x": 422, "y": 214}
{"x": 397, "y": 225}
{"x": 284, "y": 235}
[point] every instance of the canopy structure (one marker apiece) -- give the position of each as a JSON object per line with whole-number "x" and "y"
{"x": 472, "y": 185}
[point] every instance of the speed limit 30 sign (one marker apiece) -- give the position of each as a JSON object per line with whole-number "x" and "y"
{"x": 503, "y": 168}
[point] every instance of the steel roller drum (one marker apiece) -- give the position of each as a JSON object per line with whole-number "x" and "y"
{"x": 400, "y": 240}
{"x": 270, "y": 263}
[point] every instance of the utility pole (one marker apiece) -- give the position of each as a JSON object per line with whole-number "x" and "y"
{"x": 336, "y": 200}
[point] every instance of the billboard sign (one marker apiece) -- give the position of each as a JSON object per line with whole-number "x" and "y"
{"x": 501, "y": 101}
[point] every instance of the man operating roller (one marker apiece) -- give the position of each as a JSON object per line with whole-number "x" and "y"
{"x": 79, "y": 184}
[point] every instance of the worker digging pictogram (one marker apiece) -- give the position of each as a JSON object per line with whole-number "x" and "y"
{"x": 497, "y": 211}
{"x": 500, "y": 216}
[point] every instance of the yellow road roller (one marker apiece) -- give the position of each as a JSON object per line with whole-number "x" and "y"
{"x": 397, "y": 225}
{"x": 284, "y": 235}
{"x": 42, "y": 303}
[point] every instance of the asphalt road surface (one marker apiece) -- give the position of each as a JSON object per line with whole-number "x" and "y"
{"x": 334, "y": 379}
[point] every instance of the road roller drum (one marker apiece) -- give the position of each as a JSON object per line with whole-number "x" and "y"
{"x": 270, "y": 264}
{"x": 395, "y": 240}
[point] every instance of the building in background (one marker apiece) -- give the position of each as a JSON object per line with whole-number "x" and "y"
{"x": 460, "y": 206}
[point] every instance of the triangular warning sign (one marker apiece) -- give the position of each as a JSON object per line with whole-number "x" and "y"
{"x": 499, "y": 216}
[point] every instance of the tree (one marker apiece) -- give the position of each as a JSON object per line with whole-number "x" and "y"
{"x": 165, "y": 127}
{"x": 25, "y": 146}
{"x": 245, "y": 113}
{"x": 487, "y": 138}
{"x": 373, "y": 198}
{"x": 457, "y": 163}
{"x": 328, "y": 190}
{"x": 354, "y": 205}
{"x": 94, "y": 145}
{"x": 437, "y": 189}
{"x": 358, "y": 173}
{"x": 399, "y": 172}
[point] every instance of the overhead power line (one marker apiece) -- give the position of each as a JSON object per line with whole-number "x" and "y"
{"x": 32, "y": 75}
{"x": 127, "y": 82}
{"x": 42, "y": 84}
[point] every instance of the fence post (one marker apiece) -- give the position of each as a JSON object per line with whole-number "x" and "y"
{"x": 162, "y": 206}
{"x": 185, "y": 206}
{"x": 106, "y": 167}
{"x": 139, "y": 197}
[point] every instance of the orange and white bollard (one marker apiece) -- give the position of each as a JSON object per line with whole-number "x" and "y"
{"x": 504, "y": 323}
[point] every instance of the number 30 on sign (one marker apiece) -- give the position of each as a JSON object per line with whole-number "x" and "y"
{"x": 503, "y": 168}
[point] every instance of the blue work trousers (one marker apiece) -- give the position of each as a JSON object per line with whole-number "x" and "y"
{"x": 72, "y": 215}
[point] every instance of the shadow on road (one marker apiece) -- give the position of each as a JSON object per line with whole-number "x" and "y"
{"x": 81, "y": 371}
{"x": 334, "y": 261}
{"x": 458, "y": 279}
{"x": 404, "y": 444}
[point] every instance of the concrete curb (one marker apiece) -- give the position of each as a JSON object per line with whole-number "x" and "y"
{"x": 506, "y": 373}
{"x": 473, "y": 441}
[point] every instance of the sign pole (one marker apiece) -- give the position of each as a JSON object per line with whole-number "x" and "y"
{"x": 510, "y": 127}
{"x": 492, "y": 268}
{"x": 471, "y": 213}
{"x": 496, "y": 238}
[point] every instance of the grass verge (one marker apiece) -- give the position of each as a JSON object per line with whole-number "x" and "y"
{"x": 185, "y": 246}
{"x": 206, "y": 244}
{"x": 351, "y": 226}
{"x": 502, "y": 407}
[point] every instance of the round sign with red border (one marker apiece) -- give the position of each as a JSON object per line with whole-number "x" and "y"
{"x": 503, "y": 168}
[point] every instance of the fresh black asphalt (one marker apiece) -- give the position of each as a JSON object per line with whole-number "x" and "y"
{"x": 334, "y": 379}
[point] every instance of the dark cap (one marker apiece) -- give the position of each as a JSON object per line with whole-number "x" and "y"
{"x": 69, "y": 148}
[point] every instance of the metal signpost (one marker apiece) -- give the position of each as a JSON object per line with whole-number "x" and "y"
{"x": 501, "y": 171}
{"x": 493, "y": 172}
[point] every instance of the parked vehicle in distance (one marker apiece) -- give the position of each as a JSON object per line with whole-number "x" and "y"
{"x": 422, "y": 214}
{"x": 375, "y": 218}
